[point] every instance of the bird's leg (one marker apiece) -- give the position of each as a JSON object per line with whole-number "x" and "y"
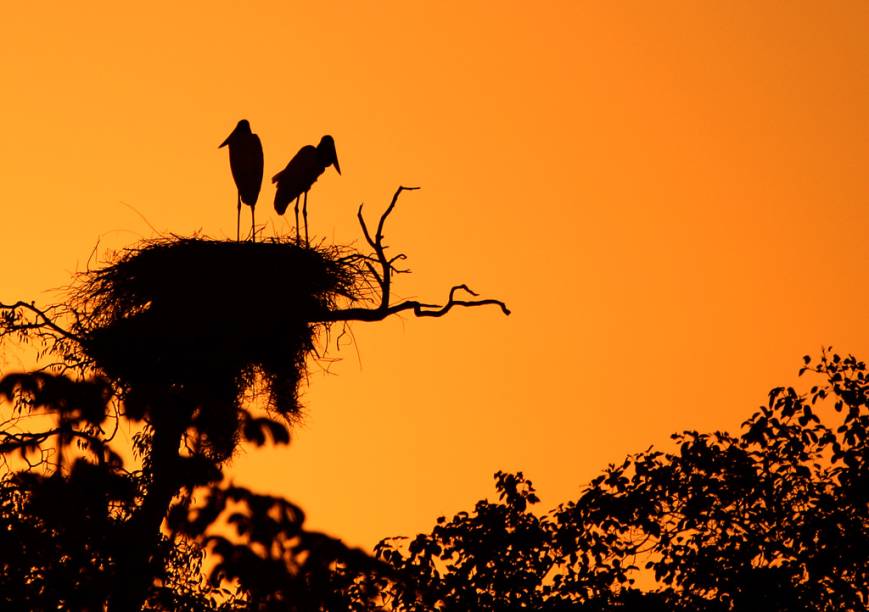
{"x": 305, "y": 215}
{"x": 297, "y": 219}
{"x": 252, "y": 225}
{"x": 238, "y": 221}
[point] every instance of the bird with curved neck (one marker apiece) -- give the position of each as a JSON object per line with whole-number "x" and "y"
{"x": 296, "y": 179}
{"x": 246, "y": 163}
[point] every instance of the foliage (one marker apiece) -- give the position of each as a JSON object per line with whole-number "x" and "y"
{"x": 195, "y": 346}
{"x": 158, "y": 340}
{"x": 772, "y": 519}
{"x": 61, "y": 525}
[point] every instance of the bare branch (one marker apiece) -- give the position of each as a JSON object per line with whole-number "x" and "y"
{"x": 386, "y": 213}
{"x": 365, "y": 228}
{"x": 374, "y": 273}
{"x": 419, "y": 309}
{"x": 384, "y": 280}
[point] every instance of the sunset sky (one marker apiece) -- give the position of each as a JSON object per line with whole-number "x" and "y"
{"x": 670, "y": 196}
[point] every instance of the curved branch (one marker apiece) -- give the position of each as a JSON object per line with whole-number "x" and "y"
{"x": 419, "y": 309}
{"x": 42, "y": 322}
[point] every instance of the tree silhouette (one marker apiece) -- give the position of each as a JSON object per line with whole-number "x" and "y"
{"x": 199, "y": 346}
{"x": 203, "y": 344}
{"x": 772, "y": 519}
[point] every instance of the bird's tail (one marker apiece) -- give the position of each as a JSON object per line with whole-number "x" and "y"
{"x": 281, "y": 202}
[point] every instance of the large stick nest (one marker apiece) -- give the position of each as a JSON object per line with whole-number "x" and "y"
{"x": 208, "y": 314}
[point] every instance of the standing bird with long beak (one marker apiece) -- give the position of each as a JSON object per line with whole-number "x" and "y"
{"x": 246, "y": 163}
{"x": 296, "y": 179}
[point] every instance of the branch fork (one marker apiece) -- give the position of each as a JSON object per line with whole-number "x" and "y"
{"x": 382, "y": 268}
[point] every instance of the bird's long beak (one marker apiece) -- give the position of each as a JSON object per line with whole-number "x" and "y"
{"x": 337, "y": 166}
{"x": 225, "y": 142}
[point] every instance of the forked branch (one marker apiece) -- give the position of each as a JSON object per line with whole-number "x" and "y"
{"x": 382, "y": 268}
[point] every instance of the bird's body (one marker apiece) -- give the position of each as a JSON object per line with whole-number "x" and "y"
{"x": 301, "y": 173}
{"x": 297, "y": 178}
{"x": 246, "y": 163}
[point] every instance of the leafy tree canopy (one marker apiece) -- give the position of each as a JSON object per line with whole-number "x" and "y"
{"x": 774, "y": 518}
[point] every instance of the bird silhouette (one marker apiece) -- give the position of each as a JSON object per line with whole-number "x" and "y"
{"x": 246, "y": 163}
{"x": 296, "y": 179}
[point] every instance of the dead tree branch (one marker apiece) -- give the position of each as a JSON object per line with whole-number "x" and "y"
{"x": 383, "y": 278}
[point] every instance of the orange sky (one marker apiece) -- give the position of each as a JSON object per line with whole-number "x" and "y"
{"x": 670, "y": 196}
